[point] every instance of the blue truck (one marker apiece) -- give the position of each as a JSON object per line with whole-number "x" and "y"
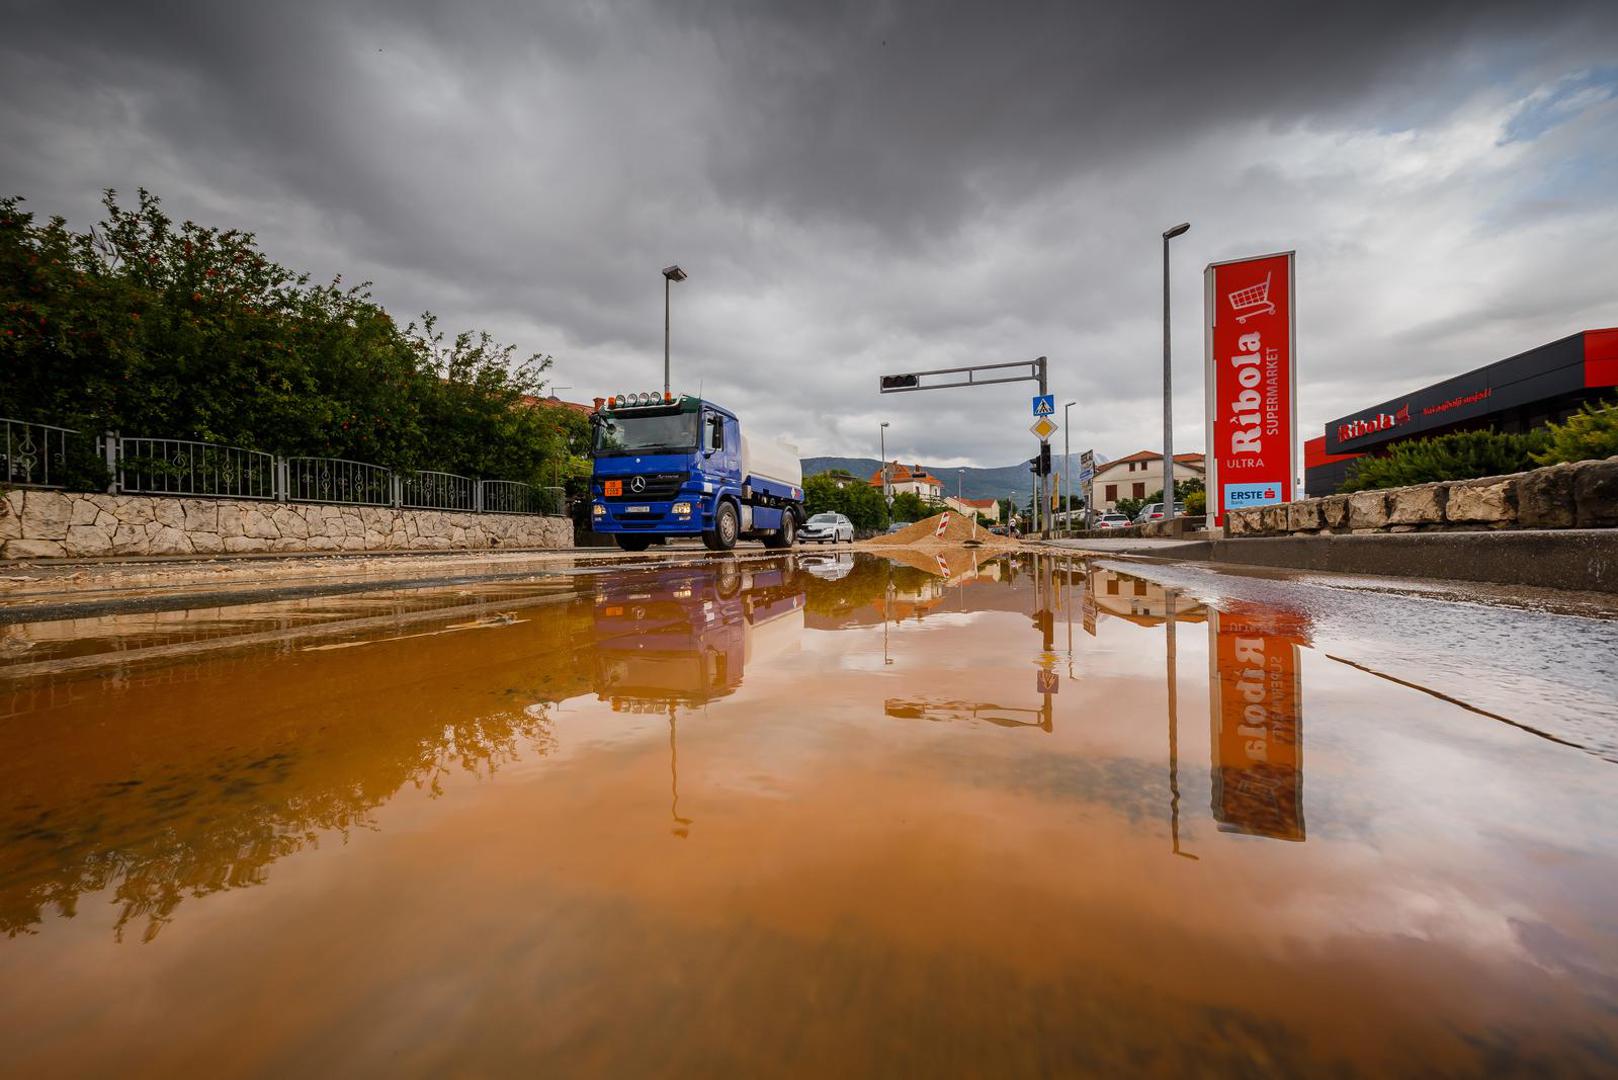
{"x": 670, "y": 465}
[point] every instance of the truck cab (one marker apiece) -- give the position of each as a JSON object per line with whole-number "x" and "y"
{"x": 679, "y": 466}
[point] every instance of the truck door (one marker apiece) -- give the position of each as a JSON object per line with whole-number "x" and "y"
{"x": 713, "y": 445}
{"x": 732, "y": 451}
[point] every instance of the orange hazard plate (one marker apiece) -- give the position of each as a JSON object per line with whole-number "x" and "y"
{"x": 614, "y": 487}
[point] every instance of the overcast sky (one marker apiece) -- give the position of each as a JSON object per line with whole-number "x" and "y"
{"x": 866, "y": 187}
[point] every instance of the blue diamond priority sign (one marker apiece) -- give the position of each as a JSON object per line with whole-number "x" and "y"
{"x": 1044, "y": 404}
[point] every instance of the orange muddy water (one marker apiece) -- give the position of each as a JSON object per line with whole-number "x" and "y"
{"x": 822, "y": 815}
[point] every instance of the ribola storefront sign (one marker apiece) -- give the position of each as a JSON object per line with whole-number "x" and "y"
{"x": 1251, "y": 383}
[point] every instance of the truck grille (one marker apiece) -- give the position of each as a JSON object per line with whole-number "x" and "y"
{"x": 660, "y": 487}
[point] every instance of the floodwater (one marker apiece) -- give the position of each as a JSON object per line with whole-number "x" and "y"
{"x": 823, "y": 815}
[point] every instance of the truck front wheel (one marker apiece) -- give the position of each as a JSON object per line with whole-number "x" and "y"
{"x": 786, "y": 535}
{"x": 726, "y": 527}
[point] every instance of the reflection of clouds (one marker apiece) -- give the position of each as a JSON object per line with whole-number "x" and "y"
{"x": 1129, "y": 787}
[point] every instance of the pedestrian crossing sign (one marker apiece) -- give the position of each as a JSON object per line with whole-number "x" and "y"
{"x": 1044, "y": 404}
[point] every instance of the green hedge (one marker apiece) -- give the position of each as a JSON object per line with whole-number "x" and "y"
{"x": 191, "y": 332}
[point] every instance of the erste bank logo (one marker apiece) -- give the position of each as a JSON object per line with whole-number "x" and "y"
{"x": 1240, "y": 495}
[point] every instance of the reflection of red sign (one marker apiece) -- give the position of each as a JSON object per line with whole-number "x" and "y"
{"x": 1257, "y": 710}
{"x": 1251, "y": 381}
{"x": 1046, "y": 682}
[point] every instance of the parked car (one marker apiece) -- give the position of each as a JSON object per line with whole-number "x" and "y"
{"x": 1112, "y": 521}
{"x": 1005, "y": 530}
{"x": 897, "y": 526}
{"x": 827, "y": 528}
{"x": 1154, "y": 512}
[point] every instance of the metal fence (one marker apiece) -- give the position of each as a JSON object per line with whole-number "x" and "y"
{"x": 511, "y": 497}
{"x": 334, "y": 480}
{"x": 181, "y": 467}
{"x": 35, "y": 454}
{"x": 429, "y": 490}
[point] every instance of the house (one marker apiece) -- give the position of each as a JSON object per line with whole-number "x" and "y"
{"x": 989, "y": 508}
{"x": 910, "y": 478}
{"x": 1137, "y": 476}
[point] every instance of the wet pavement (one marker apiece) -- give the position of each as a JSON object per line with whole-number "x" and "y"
{"x": 934, "y": 813}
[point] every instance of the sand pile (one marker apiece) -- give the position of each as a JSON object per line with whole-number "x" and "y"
{"x": 958, "y": 531}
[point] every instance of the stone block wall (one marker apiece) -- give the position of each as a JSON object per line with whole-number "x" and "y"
{"x": 52, "y": 524}
{"x": 1581, "y": 495}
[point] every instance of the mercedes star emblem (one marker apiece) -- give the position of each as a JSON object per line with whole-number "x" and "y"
{"x": 638, "y": 484}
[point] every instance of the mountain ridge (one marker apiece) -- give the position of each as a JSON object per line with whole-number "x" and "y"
{"x": 974, "y": 483}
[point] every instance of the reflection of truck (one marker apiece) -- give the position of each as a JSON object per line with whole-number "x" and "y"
{"x": 680, "y": 466}
{"x": 687, "y": 636}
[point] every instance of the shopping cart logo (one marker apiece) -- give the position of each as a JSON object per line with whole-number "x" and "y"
{"x": 1253, "y": 300}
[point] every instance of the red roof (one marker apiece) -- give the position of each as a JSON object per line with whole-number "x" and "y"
{"x": 905, "y": 474}
{"x": 977, "y": 503}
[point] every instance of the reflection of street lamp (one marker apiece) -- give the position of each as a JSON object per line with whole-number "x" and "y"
{"x": 1170, "y": 598}
{"x": 671, "y": 274}
{"x": 1168, "y": 383}
{"x": 682, "y": 826}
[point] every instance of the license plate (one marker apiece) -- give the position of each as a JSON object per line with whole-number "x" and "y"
{"x": 637, "y": 509}
{"x": 615, "y": 487}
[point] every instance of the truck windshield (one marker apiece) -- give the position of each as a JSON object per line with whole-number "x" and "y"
{"x": 671, "y": 433}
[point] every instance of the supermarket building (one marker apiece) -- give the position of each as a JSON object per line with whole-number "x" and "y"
{"x": 1517, "y": 394}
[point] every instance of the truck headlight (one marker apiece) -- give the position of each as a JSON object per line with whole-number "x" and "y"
{"x": 681, "y": 508}
{"x": 598, "y": 510}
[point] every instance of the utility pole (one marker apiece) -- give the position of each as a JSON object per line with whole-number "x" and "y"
{"x": 887, "y": 493}
{"x": 1067, "y": 465}
{"x": 1040, "y": 367}
{"x": 1035, "y": 370}
{"x": 671, "y": 274}
{"x": 1168, "y": 383}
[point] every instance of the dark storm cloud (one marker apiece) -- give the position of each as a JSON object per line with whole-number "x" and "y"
{"x": 866, "y": 186}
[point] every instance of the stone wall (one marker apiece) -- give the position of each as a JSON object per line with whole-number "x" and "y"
{"x": 45, "y": 524}
{"x": 1581, "y": 495}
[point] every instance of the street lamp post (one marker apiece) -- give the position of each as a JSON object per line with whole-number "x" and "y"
{"x": 1067, "y": 465}
{"x": 882, "y": 434}
{"x": 1168, "y": 382}
{"x": 671, "y": 274}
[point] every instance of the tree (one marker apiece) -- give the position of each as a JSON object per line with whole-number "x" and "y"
{"x": 859, "y": 502}
{"x": 1592, "y": 432}
{"x": 188, "y": 331}
{"x": 1461, "y": 455}
{"x": 908, "y": 506}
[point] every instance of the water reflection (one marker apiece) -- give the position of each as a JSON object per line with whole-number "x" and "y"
{"x": 1255, "y": 686}
{"x": 196, "y": 797}
{"x": 865, "y": 765}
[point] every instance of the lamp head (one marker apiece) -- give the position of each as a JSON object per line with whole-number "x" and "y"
{"x": 674, "y": 273}
{"x": 1176, "y": 231}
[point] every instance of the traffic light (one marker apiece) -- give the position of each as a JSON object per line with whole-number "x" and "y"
{"x": 1044, "y": 459}
{"x": 900, "y": 382}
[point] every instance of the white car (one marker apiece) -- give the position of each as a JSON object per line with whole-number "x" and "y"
{"x": 826, "y": 528}
{"x": 1112, "y": 521}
